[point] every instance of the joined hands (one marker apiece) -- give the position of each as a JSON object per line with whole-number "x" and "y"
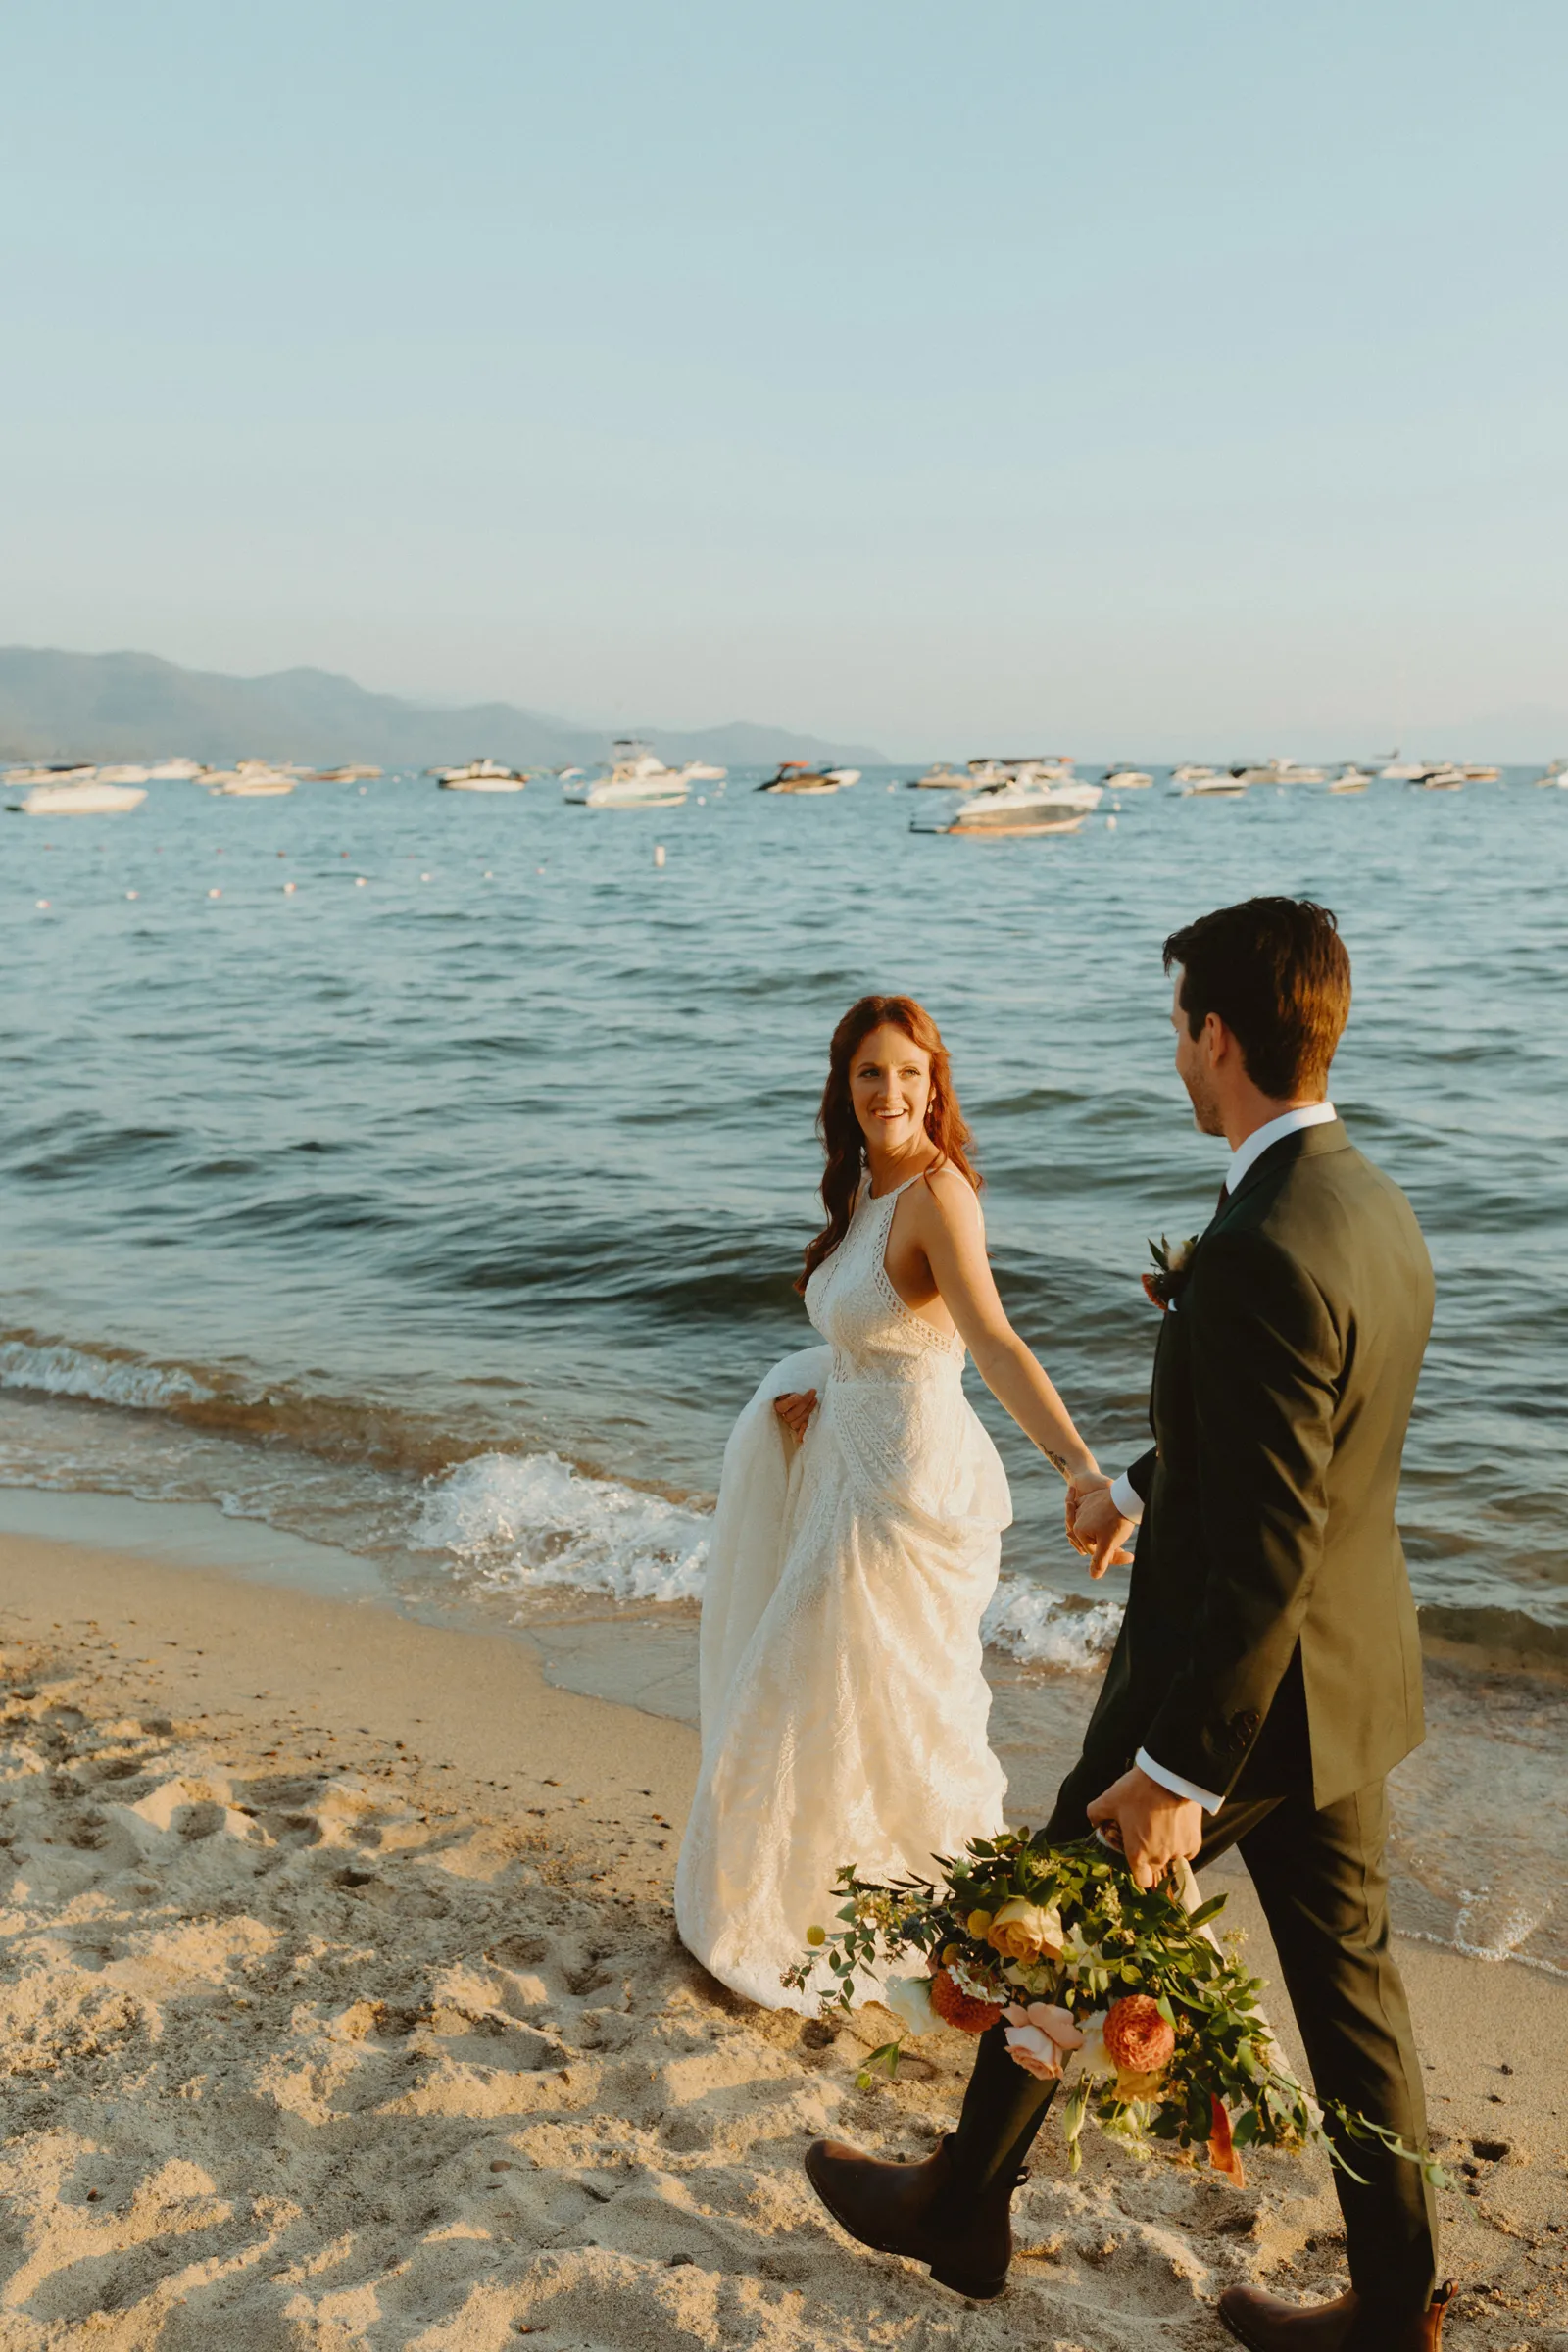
{"x": 1095, "y": 1526}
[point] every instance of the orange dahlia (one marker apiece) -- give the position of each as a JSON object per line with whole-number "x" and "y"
{"x": 1137, "y": 2041}
{"x": 958, "y": 2008}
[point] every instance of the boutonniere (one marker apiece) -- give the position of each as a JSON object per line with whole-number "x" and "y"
{"x": 1173, "y": 1262}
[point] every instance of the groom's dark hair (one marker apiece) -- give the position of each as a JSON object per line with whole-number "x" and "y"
{"x": 1277, "y": 973}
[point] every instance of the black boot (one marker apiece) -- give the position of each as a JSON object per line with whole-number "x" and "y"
{"x": 924, "y": 2211}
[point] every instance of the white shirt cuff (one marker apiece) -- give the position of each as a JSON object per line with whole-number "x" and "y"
{"x": 1125, "y": 1495}
{"x": 1176, "y": 1785}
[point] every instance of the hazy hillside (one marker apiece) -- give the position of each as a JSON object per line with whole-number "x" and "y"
{"x": 57, "y": 706}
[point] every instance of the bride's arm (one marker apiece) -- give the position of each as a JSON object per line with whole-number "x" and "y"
{"x": 948, "y": 1224}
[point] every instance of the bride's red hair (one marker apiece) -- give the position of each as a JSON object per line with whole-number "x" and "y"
{"x": 839, "y": 1129}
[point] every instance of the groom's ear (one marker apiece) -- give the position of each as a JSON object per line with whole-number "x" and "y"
{"x": 1219, "y": 1043}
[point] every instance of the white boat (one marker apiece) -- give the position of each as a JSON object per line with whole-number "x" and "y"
{"x": 942, "y": 776}
{"x": 87, "y": 797}
{"x": 1350, "y": 778}
{"x": 637, "y": 778}
{"x": 175, "y": 771}
{"x": 123, "y": 775}
{"x": 1478, "y": 772}
{"x": 250, "y": 780}
{"x": 1397, "y": 769}
{"x": 69, "y": 771}
{"x": 1556, "y": 773}
{"x": 1021, "y": 804}
{"x": 799, "y": 775}
{"x": 344, "y": 776}
{"x": 842, "y": 776}
{"x": 481, "y": 775}
{"x": 699, "y": 772}
{"x": 1446, "y": 778}
{"x": 1192, "y": 773}
{"x": 1275, "y": 771}
{"x": 1126, "y": 780}
{"x": 1216, "y": 784}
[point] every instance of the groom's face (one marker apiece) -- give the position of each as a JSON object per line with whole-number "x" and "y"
{"x": 1193, "y": 1067}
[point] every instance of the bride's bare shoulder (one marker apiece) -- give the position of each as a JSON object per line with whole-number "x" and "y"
{"x": 951, "y": 1198}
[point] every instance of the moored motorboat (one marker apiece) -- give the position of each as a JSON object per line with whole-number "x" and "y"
{"x": 481, "y": 775}
{"x": 1191, "y": 772}
{"x": 637, "y": 778}
{"x": 1350, "y": 778}
{"x": 67, "y": 772}
{"x": 1397, "y": 769}
{"x": 1275, "y": 771}
{"x": 1021, "y": 804}
{"x": 1126, "y": 780}
{"x": 250, "y": 780}
{"x": 1448, "y": 778}
{"x": 344, "y": 776}
{"x": 1556, "y": 773}
{"x": 123, "y": 774}
{"x": 175, "y": 771}
{"x": 1478, "y": 772}
{"x": 87, "y": 795}
{"x": 799, "y": 775}
{"x": 942, "y": 776}
{"x": 1216, "y": 784}
{"x": 702, "y": 771}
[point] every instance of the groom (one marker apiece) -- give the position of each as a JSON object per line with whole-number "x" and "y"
{"x": 1267, "y": 1675}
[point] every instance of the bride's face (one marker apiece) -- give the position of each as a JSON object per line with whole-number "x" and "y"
{"x": 890, "y": 1086}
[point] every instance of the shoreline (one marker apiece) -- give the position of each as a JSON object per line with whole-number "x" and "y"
{"x": 344, "y": 2008}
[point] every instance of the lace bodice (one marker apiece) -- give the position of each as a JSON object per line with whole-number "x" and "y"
{"x": 851, "y": 1300}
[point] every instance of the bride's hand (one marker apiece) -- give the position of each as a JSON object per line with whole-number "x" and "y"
{"x": 1096, "y": 1526}
{"x": 795, "y": 1411}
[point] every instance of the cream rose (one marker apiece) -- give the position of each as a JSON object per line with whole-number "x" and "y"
{"x": 910, "y": 1999}
{"x": 1025, "y": 1930}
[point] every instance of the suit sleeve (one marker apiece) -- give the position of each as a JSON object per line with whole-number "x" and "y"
{"x": 1266, "y": 1361}
{"x": 1139, "y": 1475}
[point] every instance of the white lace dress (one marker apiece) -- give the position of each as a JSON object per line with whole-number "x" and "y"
{"x": 844, "y": 1710}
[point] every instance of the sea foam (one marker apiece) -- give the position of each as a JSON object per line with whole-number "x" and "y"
{"x": 1041, "y": 1627}
{"x": 532, "y": 1519}
{"x": 54, "y": 1369}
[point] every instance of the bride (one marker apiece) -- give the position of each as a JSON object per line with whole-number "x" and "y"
{"x": 857, "y": 1534}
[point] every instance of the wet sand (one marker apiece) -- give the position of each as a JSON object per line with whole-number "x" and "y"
{"x": 342, "y": 2007}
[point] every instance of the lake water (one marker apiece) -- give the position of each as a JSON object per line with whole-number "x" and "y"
{"x": 444, "y": 1208}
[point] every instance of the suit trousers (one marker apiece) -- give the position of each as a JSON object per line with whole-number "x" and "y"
{"x": 1321, "y": 1881}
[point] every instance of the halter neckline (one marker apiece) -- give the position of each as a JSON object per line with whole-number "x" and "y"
{"x": 879, "y": 1198}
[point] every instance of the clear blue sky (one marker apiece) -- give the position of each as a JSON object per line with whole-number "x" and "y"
{"x": 1128, "y": 379}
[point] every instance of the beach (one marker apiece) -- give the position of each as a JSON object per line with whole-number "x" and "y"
{"x": 344, "y": 2008}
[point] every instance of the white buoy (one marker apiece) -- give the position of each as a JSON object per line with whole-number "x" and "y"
{"x": 424, "y": 877}
{"x": 360, "y": 882}
{"x": 133, "y": 893}
{"x": 42, "y": 905}
{"x": 289, "y": 888}
{"x": 214, "y": 894}
{"x": 1110, "y": 824}
{"x": 659, "y": 852}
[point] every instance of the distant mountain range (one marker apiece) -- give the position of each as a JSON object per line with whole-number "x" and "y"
{"x": 57, "y": 706}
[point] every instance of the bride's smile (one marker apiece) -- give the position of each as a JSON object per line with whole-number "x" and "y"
{"x": 890, "y": 1088}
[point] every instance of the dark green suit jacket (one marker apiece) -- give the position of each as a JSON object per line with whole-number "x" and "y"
{"x": 1269, "y": 1642}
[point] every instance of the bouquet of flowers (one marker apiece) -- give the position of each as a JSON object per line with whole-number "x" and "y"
{"x": 1082, "y": 1967}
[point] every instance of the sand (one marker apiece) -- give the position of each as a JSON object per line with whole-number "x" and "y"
{"x": 340, "y": 2006}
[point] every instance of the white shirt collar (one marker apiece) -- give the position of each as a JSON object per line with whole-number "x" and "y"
{"x": 1288, "y": 1122}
